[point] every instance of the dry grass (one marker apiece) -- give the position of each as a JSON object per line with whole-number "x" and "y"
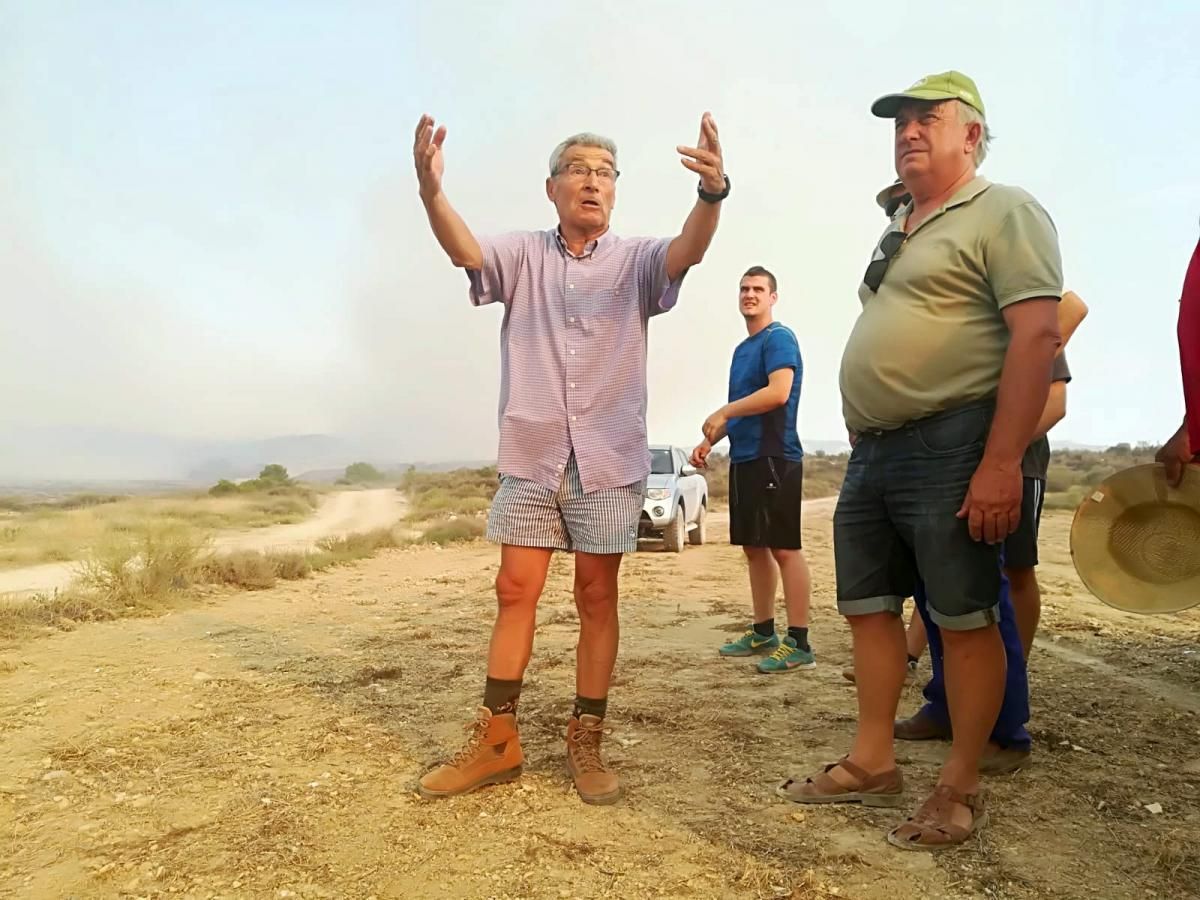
{"x": 439, "y": 495}
{"x": 162, "y": 569}
{"x": 823, "y": 475}
{"x": 137, "y": 573}
{"x": 1073, "y": 473}
{"x": 454, "y": 531}
{"x": 70, "y": 529}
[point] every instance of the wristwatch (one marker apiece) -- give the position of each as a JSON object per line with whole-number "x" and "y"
{"x": 713, "y": 198}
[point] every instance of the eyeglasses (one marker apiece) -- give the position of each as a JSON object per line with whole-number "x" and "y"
{"x": 578, "y": 171}
{"x": 889, "y": 247}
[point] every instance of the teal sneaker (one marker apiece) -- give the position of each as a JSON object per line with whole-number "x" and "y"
{"x": 750, "y": 643}
{"x": 786, "y": 658}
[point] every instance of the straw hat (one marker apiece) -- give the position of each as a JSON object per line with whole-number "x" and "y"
{"x": 1136, "y": 542}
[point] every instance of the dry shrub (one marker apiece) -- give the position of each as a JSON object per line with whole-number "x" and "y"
{"x": 454, "y": 531}
{"x": 141, "y": 573}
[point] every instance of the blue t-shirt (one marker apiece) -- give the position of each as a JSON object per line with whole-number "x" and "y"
{"x": 773, "y": 433}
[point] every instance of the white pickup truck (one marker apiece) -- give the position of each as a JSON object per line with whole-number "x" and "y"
{"x": 676, "y": 499}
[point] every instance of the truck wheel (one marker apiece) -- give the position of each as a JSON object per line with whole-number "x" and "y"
{"x": 699, "y": 534}
{"x": 675, "y": 533}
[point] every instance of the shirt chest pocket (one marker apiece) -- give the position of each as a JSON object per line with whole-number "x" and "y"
{"x": 597, "y": 310}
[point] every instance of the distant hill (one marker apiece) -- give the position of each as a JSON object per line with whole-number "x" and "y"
{"x": 104, "y": 455}
{"x": 82, "y": 455}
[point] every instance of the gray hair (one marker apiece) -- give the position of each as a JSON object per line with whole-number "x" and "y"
{"x": 969, "y": 115}
{"x": 584, "y": 139}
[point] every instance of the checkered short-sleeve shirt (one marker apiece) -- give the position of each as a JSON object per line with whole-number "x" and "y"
{"x": 573, "y": 352}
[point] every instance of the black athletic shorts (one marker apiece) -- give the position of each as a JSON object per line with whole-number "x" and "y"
{"x": 764, "y": 503}
{"x": 1021, "y": 547}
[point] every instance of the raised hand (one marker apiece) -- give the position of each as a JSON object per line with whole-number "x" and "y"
{"x": 705, "y": 158}
{"x": 427, "y": 155}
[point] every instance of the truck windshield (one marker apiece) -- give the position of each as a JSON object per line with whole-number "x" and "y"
{"x": 661, "y": 462}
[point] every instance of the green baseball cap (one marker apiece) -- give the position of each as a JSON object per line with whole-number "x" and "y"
{"x": 950, "y": 85}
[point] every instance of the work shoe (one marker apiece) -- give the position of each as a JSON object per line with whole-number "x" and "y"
{"x": 1003, "y": 760}
{"x": 491, "y": 755}
{"x": 787, "y": 656}
{"x": 750, "y": 643}
{"x": 594, "y": 782}
{"x": 921, "y": 727}
{"x": 910, "y": 672}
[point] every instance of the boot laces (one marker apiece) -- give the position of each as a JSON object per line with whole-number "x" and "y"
{"x": 475, "y": 734}
{"x": 586, "y": 745}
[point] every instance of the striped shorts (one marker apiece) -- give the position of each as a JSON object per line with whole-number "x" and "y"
{"x": 527, "y": 514}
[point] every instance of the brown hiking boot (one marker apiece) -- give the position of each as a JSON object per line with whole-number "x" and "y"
{"x": 595, "y": 783}
{"x": 491, "y": 755}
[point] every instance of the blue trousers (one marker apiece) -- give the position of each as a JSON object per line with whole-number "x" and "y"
{"x": 1014, "y": 713}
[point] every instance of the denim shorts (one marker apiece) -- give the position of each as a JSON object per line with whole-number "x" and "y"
{"x": 897, "y": 516}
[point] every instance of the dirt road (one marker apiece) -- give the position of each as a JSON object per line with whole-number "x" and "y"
{"x": 340, "y": 513}
{"x": 267, "y": 745}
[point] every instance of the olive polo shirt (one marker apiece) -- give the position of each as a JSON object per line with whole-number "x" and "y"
{"x": 933, "y": 336}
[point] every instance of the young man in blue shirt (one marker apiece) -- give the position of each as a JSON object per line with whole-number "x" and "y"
{"x": 766, "y": 475}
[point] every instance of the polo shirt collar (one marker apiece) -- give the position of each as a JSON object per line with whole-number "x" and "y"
{"x": 964, "y": 194}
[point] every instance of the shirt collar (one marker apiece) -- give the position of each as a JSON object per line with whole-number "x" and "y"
{"x": 590, "y": 248}
{"x": 964, "y": 194}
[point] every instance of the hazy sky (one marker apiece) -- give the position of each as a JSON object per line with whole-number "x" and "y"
{"x": 209, "y": 223}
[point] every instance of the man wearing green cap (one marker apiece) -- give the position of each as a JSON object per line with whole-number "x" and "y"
{"x": 943, "y": 381}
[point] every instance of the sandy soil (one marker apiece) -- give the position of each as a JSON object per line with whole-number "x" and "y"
{"x": 267, "y": 745}
{"x": 340, "y": 513}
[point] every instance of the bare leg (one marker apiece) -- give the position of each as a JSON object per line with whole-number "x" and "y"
{"x": 599, "y": 626}
{"x": 764, "y": 577}
{"x": 879, "y": 664}
{"x": 1027, "y": 604}
{"x": 797, "y": 585}
{"x": 975, "y": 675}
{"x": 518, "y": 586}
{"x": 915, "y": 636}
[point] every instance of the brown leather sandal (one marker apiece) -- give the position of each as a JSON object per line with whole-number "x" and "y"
{"x": 930, "y": 828}
{"x": 884, "y": 789}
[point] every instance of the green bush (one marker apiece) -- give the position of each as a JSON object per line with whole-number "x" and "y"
{"x": 361, "y": 472}
{"x": 462, "y": 492}
{"x": 274, "y": 474}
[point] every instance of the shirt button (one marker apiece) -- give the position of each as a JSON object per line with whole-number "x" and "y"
{"x": 571, "y": 385}
{"x": 571, "y": 319}
{"x": 572, "y": 352}
{"x": 570, "y": 287}
{"x": 574, "y": 418}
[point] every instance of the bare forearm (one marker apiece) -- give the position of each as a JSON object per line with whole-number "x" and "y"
{"x": 761, "y": 401}
{"x": 1024, "y": 389}
{"x": 1054, "y": 411}
{"x": 689, "y": 247}
{"x": 452, "y": 232}
{"x": 1071, "y": 312}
